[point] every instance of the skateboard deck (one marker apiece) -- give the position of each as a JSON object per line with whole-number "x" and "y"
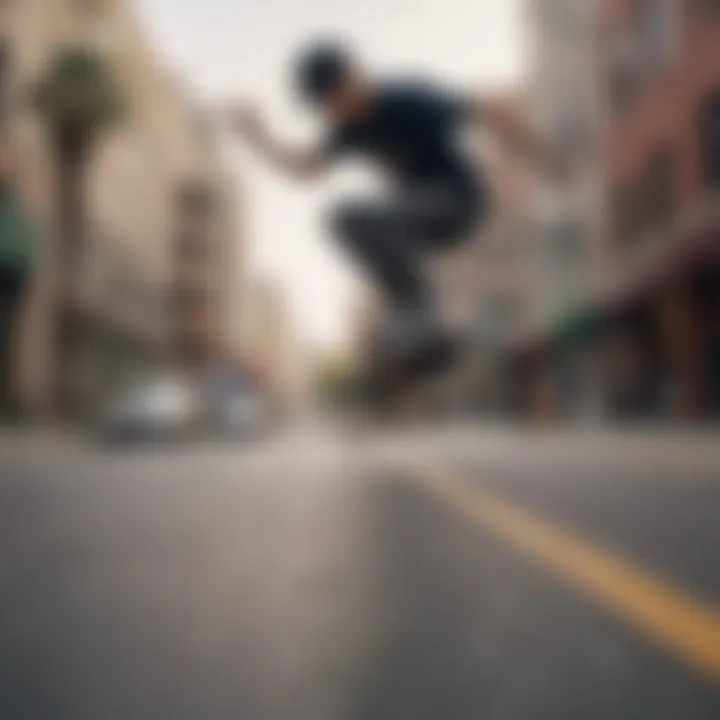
{"x": 410, "y": 386}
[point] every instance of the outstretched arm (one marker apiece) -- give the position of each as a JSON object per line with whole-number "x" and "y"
{"x": 303, "y": 164}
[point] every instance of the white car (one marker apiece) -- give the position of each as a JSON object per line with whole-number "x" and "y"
{"x": 164, "y": 408}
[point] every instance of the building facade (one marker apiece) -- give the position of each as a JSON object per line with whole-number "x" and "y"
{"x": 662, "y": 176}
{"x": 640, "y": 81}
{"x": 136, "y": 177}
{"x": 565, "y": 105}
{"x": 206, "y": 260}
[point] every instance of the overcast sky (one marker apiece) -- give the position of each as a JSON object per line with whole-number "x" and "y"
{"x": 241, "y": 48}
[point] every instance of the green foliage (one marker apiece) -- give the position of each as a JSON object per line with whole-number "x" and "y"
{"x": 78, "y": 96}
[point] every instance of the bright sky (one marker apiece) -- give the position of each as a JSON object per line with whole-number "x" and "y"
{"x": 240, "y": 48}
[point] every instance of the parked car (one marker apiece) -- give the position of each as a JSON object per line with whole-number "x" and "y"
{"x": 162, "y": 408}
{"x": 236, "y": 406}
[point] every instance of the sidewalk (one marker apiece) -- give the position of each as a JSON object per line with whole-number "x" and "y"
{"x": 20, "y": 444}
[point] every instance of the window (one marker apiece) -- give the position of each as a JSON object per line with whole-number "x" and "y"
{"x": 659, "y": 190}
{"x": 710, "y": 141}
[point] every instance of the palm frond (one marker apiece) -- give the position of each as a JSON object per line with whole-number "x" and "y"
{"x": 78, "y": 92}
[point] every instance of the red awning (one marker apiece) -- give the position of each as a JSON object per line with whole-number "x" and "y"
{"x": 700, "y": 249}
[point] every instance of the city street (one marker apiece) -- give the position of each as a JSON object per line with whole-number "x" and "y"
{"x": 447, "y": 574}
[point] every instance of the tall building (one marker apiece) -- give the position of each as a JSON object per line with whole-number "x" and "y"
{"x": 565, "y": 103}
{"x": 633, "y": 88}
{"x": 207, "y": 270}
{"x": 662, "y": 163}
{"x": 662, "y": 170}
{"x": 138, "y": 174}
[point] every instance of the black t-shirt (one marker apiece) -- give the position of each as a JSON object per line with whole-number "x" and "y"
{"x": 412, "y": 130}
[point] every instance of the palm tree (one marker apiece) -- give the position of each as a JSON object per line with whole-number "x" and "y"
{"x": 78, "y": 99}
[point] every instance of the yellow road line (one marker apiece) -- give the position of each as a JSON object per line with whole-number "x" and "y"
{"x": 689, "y": 627}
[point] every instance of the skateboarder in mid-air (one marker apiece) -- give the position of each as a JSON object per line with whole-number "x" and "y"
{"x": 413, "y": 128}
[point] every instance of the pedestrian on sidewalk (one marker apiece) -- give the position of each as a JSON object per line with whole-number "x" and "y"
{"x": 17, "y": 254}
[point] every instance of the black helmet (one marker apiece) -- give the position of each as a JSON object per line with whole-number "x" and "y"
{"x": 320, "y": 68}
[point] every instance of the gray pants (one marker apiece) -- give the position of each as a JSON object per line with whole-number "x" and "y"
{"x": 391, "y": 237}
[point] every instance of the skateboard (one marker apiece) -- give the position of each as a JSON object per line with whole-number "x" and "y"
{"x": 415, "y": 386}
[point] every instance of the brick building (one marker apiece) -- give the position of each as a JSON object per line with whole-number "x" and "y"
{"x": 644, "y": 97}
{"x": 662, "y": 241}
{"x": 660, "y": 153}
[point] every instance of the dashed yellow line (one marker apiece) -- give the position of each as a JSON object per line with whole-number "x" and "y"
{"x": 668, "y": 614}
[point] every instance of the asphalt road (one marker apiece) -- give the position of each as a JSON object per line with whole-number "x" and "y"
{"x": 443, "y": 575}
